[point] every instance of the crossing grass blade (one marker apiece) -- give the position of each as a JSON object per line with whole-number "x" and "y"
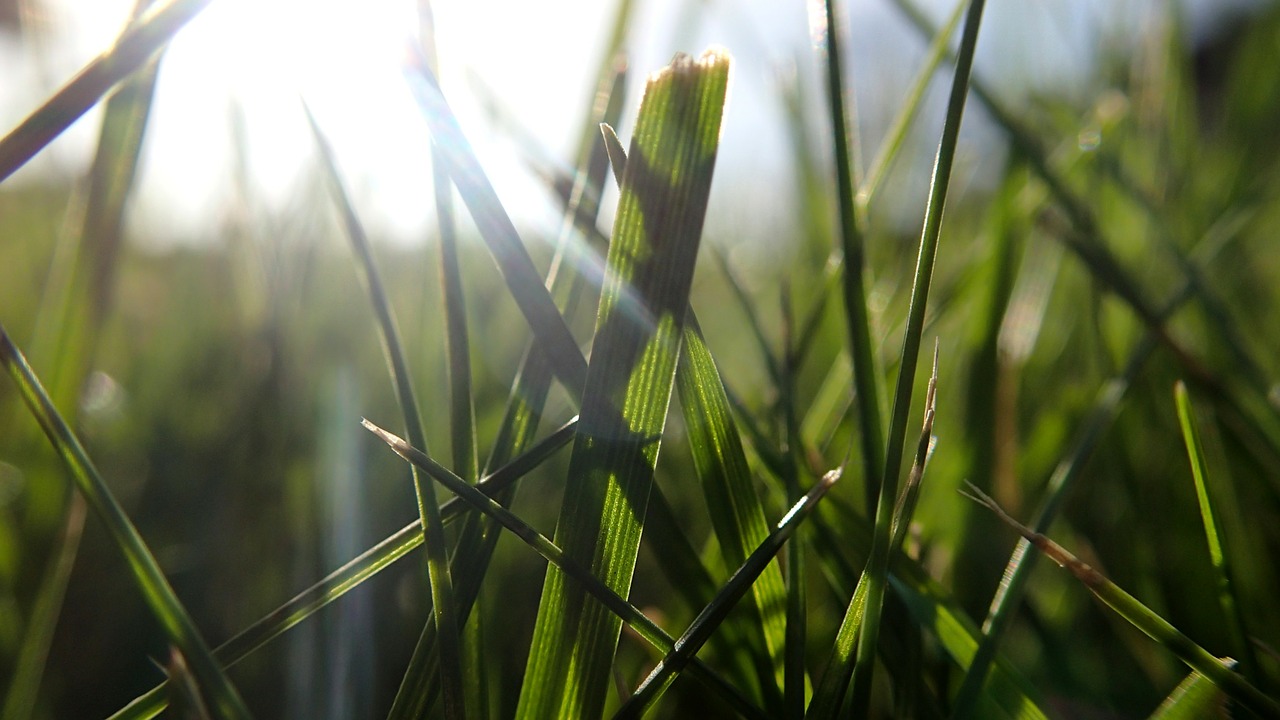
{"x": 737, "y": 515}
{"x": 1140, "y": 616}
{"x": 356, "y": 572}
{"x": 93, "y": 82}
{"x": 656, "y": 235}
{"x": 715, "y": 612}
{"x": 877, "y": 564}
{"x": 550, "y": 332}
{"x": 444, "y": 613}
{"x": 1226, "y": 583}
{"x": 613, "y": 602}
{"x": 176, "y": 623}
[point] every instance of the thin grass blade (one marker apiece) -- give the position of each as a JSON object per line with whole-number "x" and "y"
{"x": 714, "y": 613}
{"x": 613, "y": 602}
{"x": 853, "y": 249}
{"x": 1226, "y": 584}
{"x": 93, "y": 82}
{"x": 1140, "y": 616}
{"x": 550, "y": 332}
{"x": 174, "y": 620}
{"x": 1195, "y": 698}
{"x": 444, "y": 613}
{"x": 877, "y": 564}
{"x": 650, "y": 271}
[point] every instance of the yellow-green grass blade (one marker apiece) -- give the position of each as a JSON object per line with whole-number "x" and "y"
{"x": 1226, "y": 583}
{"x": 356, "y": 572}
{"x": 93, "y": 82}
{"x": 877, "y": 564}
{"x": 551, "y": 334}
{"x": 76, "y": 301}
{"x": 559, "y": 558}
{"x": 737, "y": 515}
{"x": 444, "y": 613}
{"x": 853, "y": 286}
{"x": 1140, "y": 616}
{"x": 176, "y": 623}
{"x": 717, "y": 610}
{"x": 1195, "y": 698}
{"x": 656, "y": 235}
{"x": 829, "y": 696}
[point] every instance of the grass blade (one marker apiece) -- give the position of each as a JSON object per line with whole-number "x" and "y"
{"x": 164, "y": 604}
{"x": 650, "y": 270}
{"x": 93, "y": 82}
{"x": 737, "y": 515}
{"x": 444, "y": 614}
{"x": 853, "y": 248}
{"x": 551, "y": 334}
{"x": 1195, "y": 698}
{"x": 635, "y": 619}
{"x": 1226, "y": 583}
{"x": 877, "y": 564}
{"x": 715, "y": 612}
{"x": 1140, "y": 616}
{"x": 829, "y": 696}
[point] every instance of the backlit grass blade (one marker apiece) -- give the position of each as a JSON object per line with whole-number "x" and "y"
{"x": 853, "y": 248}
{"x": 1140, "y": 616}
{"x": 715, "y": 612}
{"x": 655, "y": 241}
{"x": 93, "y": 82}
{"x": 354, "y": 573}
{"x": 1226, "y": 584}
{"x": 444, "y": 613}
{"x": 1195, "y": 698}
{"x": 829, "y": 696}
{"x": 75, "y": 303}
{"x": 877, "y": 564}
{"x": 550, "y": 332}
{"x": 613, "y": 602}
{"x": 737, "y": 515}
{"x": 177, "y": 625}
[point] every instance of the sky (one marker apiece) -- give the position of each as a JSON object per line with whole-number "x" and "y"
{"x": 246, "y": 65}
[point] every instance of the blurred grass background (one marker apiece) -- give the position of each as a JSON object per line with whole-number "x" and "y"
{"x": 222, "y": 393}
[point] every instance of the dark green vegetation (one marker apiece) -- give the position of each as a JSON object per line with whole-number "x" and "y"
{"x": 181, "y": 449}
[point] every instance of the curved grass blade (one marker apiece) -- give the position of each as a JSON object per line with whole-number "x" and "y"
{"x": 853, "y": 249}
{"x": 717, "y": 610}
{"x": 444, "y": 613}
{"x": 550, "y": 332}
{"x": 650, "y": 270}
{"x": 1226, "y": 583}
{"x": 829, "y": 696}
{"x": 354, "y": 573}
{"x": 177, "y": 624}
{"x": 134, "y": 48}
{"x": 549, "y": 550}
{"x": 877, "y": 564}
{"x": 1139, "y": 615}
{"x": 737, "y": 515}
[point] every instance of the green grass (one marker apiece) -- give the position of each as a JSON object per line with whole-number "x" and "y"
{"x": 175, "y": 417}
